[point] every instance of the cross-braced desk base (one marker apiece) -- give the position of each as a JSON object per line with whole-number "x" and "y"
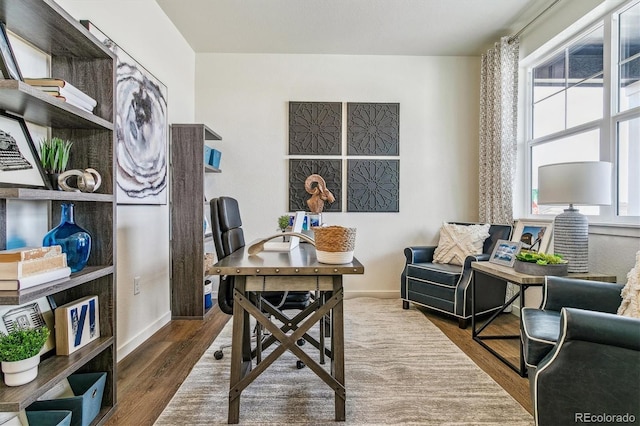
{"x": 243, "y": 372}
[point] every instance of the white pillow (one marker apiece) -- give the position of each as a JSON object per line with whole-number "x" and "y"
{"x": 459, "y": 241}
{"x": 630, "y": 306}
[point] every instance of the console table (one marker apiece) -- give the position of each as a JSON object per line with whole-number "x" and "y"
{"x": 487, "y": 271}
{"x": 296, "y": 270}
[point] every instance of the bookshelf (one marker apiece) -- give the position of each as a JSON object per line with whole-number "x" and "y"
{"x": 77, "y": 57}
{"x": 187, "y": 214}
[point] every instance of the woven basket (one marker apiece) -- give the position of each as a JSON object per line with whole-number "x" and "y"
{"x": 334, "y": 244}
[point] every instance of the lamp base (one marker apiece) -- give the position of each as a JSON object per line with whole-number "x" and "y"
{"x": 571, "y": 239}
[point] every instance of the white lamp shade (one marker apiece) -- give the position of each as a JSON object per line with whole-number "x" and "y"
{"x": 585, "y": 183}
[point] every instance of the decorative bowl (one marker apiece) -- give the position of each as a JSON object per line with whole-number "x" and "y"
{"x": 558, "y": 269}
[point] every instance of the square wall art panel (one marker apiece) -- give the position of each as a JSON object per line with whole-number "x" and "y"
{"x": 373, "y": 128}
{"x": 315, "y": 128}
{"x": 373, "y": 185}
{"x": 300, "y": 170}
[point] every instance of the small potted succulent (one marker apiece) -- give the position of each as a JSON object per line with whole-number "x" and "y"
{"x": 538, "y": 263}
{"x": 20, "y": 354}
{"x": 54, "y": 156}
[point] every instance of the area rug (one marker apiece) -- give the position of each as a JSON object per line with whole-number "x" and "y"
{"x": 400, "y": 369}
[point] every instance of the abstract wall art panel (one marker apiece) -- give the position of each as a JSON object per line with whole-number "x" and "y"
{"x": 142, "y": 129}
{"x": 373, "y": 128}
{"x": 373, "y": 185}
{"x": 299, "y": 170}
{"x": 315, "y": 128}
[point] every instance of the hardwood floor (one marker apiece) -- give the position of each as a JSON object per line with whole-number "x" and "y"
{"x": 149, "y": 377}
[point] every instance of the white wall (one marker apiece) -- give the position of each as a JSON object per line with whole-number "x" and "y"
{"x": 142, "y": 29}
{"x": 245, "y": 99}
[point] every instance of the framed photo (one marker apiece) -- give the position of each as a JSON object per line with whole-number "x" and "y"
{"x": 77, "y": 324}
{"x": 30, "y": 315}
{"x": 504, "y": 253}
{"x": 19, "y": 160}
{"x": 142, "y": 129}
{"x": 535, "y": 235}
{"x": 8, "y": 65}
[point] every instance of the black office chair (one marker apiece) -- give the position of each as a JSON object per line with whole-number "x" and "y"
{"x": 228, "y": 237}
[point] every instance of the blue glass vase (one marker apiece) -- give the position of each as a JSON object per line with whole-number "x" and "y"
{"x": 75, "y": 241}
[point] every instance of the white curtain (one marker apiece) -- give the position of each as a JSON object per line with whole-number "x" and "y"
{"x": 498, "y": 119}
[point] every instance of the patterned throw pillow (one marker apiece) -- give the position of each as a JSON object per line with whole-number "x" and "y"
{"x": 459, "y": 241}
{"x": 630, "y": 306}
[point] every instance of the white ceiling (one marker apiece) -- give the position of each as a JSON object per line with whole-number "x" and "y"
{"x": 355, "y": 27}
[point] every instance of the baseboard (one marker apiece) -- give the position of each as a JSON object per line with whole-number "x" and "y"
{"x": 141, "y": 337}
{"x": 381, "y": 294}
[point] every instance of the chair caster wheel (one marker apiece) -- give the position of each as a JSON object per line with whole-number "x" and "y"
{"x": 299, "y": 364}
{"x": 301, "y": 342}
{"x": 218, "y": 355}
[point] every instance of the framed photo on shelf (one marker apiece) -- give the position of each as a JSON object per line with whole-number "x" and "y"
{"x": 19, "y": 160}
{"x": 77, "y": 324}
{"x": 534, "y": 234}
{"x": 30, "y": 315}
{"x": 505, "y": 252}
{"x": 8, "y": 65}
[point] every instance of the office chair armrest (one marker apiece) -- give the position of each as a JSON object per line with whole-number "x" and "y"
{"x": 419, "y": 254}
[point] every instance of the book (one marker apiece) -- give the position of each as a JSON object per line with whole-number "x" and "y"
{"x": 62, "y": 87}
{"x": 77, "y": 324}
{"x": 72, "y": 101}
{"x": 28, "y": 253}
{"x": 25, "y": 268}
{"x": 34, "y": 280}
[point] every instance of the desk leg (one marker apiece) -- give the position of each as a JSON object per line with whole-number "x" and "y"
{"x": 337, "y": 336}
{"x": 238, "y": 342}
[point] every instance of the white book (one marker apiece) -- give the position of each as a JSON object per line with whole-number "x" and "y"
{"x": 34, "y": 280}
{"x": 63, "y": 87}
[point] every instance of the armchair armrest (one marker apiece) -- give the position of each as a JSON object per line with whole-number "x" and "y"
{"x": 481, "y": 257}
{"x": 562, "y": 292}
{"x": 419, "y": 254}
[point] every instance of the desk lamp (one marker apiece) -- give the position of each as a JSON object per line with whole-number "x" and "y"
{"x": 584, "y": 183}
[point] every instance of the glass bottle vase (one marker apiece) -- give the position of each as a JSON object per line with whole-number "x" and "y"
{"x": 75, "y": 241}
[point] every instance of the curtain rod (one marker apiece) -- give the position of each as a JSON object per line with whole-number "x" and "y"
{"x": 515, "y": 36}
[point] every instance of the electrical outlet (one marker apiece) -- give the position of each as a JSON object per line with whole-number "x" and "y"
{"x": 136, "y": 285}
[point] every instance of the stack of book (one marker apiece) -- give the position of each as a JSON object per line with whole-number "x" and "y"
{"x": 65, "y": 91}
{"x": 30, "y": 266}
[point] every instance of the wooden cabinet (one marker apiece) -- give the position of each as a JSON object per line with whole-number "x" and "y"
{"x": 188, "y": 209}
{"x": 77, "y": 57}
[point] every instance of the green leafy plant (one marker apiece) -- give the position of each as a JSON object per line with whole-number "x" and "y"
{"x": 540, "y": 258}
{"x": 283, "y": 222}
{"x": 22, "y": 343}
{"x": 54, "y": 154}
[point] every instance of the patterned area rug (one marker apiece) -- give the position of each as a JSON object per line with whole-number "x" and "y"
{"x": 400, "y": 369}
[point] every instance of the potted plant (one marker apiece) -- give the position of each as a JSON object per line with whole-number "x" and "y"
{"x": 538, "y": 263}
{"x": 20, "y": 354}
{"x": 283, "y": 224}
{"x": 54, "y": 156}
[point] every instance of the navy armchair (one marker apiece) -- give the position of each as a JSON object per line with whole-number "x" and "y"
{"x": 446, "y": 287}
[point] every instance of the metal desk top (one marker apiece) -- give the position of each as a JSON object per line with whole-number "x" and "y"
{"x": 299, "y": 261}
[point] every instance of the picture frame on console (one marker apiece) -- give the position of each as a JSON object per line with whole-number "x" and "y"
{"x": 534, "y": 234}
{"x": 505, "y": 252}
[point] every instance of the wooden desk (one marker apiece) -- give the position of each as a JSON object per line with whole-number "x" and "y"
{"x": 297, "y": 270}
{"x": 483, "y": 271}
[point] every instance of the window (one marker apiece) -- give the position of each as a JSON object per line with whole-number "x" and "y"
{"x": 585, "y": 106}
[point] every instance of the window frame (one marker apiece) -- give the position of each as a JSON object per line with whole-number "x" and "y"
{"x": 607, "y": 125}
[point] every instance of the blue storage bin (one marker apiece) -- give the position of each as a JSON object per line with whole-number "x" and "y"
{"x": 215, "y": 158}
{"x": 49, "y": 418}
{"x": 85, "y": 406}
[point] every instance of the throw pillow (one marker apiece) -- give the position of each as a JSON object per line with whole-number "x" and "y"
{"x": 459, "y": 241}
{"x": 630, "y": 306}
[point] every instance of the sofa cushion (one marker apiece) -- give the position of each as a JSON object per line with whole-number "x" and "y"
{"x": 438, "y": 273}
{"x": 459, "y": 241}
{"x": 540, "y": 332}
